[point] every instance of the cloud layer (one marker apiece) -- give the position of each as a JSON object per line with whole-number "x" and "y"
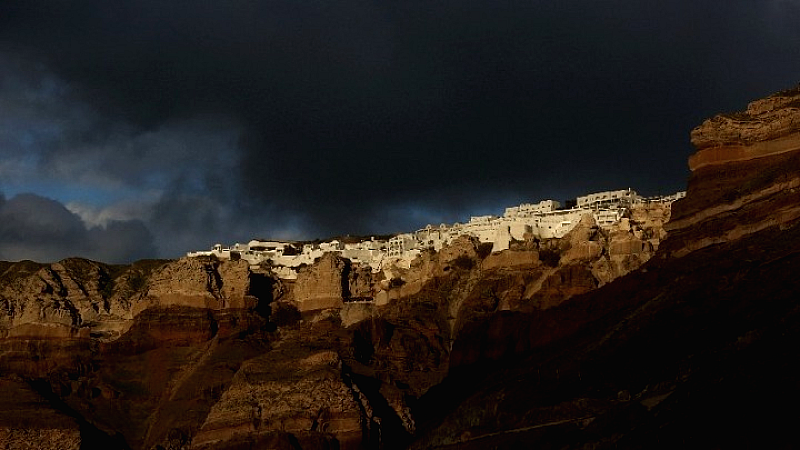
{"x": 41, "y": 229}
{"x": 220, "y": 122}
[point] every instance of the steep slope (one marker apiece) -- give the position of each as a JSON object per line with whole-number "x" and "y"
{"x": 745, "y": 175}
{"x": 690, "y": 349}
{"x": 139, "y": 353}
{"x": 605, "y": 338}
{"x": 694, "y": 349}
{"x": 191, "y": 353}
{"x": 71, "y": 298}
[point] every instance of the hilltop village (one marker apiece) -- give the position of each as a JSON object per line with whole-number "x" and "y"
{"x": 543, "y": 220}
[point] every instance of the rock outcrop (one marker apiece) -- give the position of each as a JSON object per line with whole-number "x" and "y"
{"x": 77, "y": 298}
{"x": 693, "y": 348}
{"x": 69, "y": 299}
{"x": 330, "y": 282}
{"x": 321, "y": 285}
{"x": 199, "y": 283}
{"x": 460, "y": 254}
{"x": 298, "y": 392}
{"x": 767, "y": 127}
{"x": 745, "y": 176}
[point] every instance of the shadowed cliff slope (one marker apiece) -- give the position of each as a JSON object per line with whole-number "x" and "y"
{"x": 606, "y": 338}
{"x": 693, "y": 349}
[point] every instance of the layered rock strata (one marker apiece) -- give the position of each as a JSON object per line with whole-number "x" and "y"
{"x": 208, "y": 354}
{"x": 745, "y": 175}
{"x": 28, "y": 421}
{"x": 301, "y": 393}
{"x": 199, "y": 283}
{"x": 189, "y": 353}
{"x": 77, "y": 298}
{"x": 767, "y": 127}
{"x": 692, "y": 349}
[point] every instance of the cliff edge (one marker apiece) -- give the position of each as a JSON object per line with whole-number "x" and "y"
{"x": 745, "y": 175}
{"x": 691, "y": 349}
{"x": 767, "y": 127}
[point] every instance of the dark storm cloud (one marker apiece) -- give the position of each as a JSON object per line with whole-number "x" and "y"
{"x": 41, "y": 229}
{"x": 363, "y": 116}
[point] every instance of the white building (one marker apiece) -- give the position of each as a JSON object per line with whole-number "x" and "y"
{"x": 530, "y": 209}
{"x": 433, "y": 237}
{"x": 608, "y": 199}
{"x": 400, "y": 244}
{"x": 662, "y": 198}
{"x": 605, "y": 217}
{"x": 543, "y": 220}
{"x": 217, "y": 250}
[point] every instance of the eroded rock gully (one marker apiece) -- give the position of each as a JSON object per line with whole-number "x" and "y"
{"x": 606, "y": 338}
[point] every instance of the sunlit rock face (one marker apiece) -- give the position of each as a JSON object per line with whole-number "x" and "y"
{"x": 745, "y": 175}
{"x": 73, "y": 298}
{"x": 104, "y": 344}
{"x": 78, "y": 298}
{"x": 321, "y": 285}
{"x": 302, "y": 393}
{"x": 200, "y": 283}
{"x": 767, "y": 127}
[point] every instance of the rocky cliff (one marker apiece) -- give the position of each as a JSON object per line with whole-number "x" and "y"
{"x": 71, "y": 298}
{"x": 80, "y": 298}
{"x": 336, "y": 358}
{"x": 745, "y": 175}
{"x": 692, "y": 349}
{"x": 114, "y": 349}
{"x": 624, "y": 337}
{"x": 767, "y": 127}
{"x": 292, "y": 390}
{"x": 200, "y": 353}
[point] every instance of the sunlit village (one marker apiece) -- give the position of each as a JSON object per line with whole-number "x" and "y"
{"x": 544, "y": 220}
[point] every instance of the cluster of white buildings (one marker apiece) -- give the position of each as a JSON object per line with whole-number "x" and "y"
{"x": 285, "y": 258}
{"x": 544, "y": 220}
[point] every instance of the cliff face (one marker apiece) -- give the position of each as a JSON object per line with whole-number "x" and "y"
{"x": 745, "y": 175}
{"x": 767, "y": 127}
{"x": 199, "y": 283}
{"x": 293, "y": 390}
{"x": 693, "y": 348}
{"x": 322, "y": 285}
{"x": 118, "y": 350}
{"x": 199, "y": 353}
{"x": 623, "y": 337}
{"x": 80, "y": 298}
{"x": 71, "y": 298}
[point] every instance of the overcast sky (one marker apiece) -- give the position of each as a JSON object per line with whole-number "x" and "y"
{"x": 134, "y": 129}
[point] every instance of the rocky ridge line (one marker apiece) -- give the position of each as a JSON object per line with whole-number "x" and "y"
{"x": 744, "y": 175}
{"x": 767, "y": 127}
